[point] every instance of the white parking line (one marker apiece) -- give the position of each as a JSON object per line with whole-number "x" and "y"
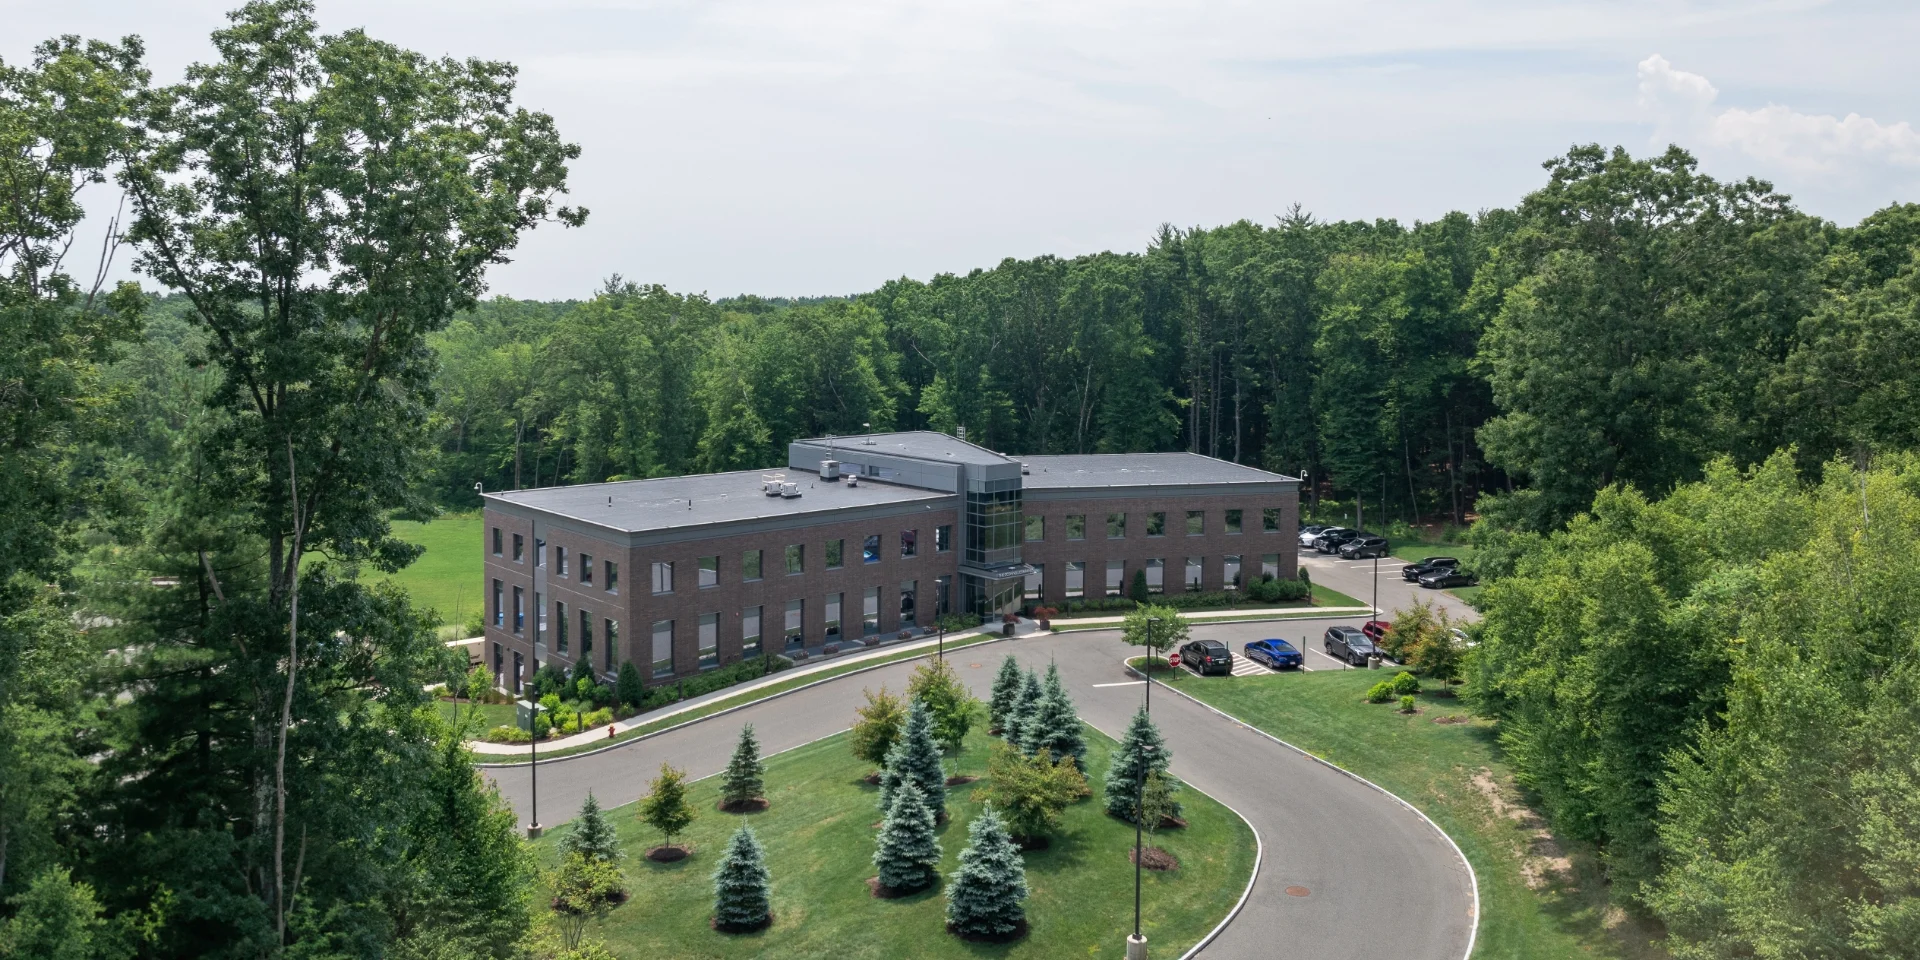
{"x": 1127, "y": 683}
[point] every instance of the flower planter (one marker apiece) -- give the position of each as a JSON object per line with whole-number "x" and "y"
{"x": 871, "y": 641}
{"x": 830, "y": 649}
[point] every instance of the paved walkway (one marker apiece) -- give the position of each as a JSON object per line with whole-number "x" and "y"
{"x": 1346, "y": 872}
{"x": 1243, "y": 613}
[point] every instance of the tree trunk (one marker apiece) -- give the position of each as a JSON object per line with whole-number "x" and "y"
{"x": 518, "y": 427}
{"x": 1413, "y": 498}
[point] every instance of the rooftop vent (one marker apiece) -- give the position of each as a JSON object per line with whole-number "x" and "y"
{"x": 853, "y": 480}
{"x": 771, "y": 483}
{"x": 829, "y": 469}
{"x": 1024, "y": 469}
{"x": 790, "y": 490}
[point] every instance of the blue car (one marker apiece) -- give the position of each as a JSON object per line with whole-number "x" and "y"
{"x": 1275, "y": 654}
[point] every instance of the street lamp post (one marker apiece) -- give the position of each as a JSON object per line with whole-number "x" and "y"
{"x": 1137, "y": 944}
{"x": 533, "y": 770}
{"x": 1149, "y": 670}
{"x": 940, "y": 645}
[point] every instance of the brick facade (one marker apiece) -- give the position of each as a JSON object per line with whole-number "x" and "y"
{"x": 1055, "y": 551}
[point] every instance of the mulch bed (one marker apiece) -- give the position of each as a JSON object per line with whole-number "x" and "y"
{"x": 756, "y": 805}
{"x": 1154, "y": 858}
{"x": 1029, "y": 844}
{"x": 957, "y": 781}
{"x": 1166, "y": 823}
{"x": 1451, "y": 718}
{"x": 762, "y": 925}
{"x": 873, "y": 778}
{"x": 1016, "y": 933}
{"x": 669, "y": 854}
{"x": 882, "y": 892}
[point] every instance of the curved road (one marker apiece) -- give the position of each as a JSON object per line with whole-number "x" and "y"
{"x": 1381, "y": 881}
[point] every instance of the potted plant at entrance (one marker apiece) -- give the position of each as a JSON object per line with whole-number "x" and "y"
{"x": 1045, "y": 616}
{"x": 1007, "y": 621}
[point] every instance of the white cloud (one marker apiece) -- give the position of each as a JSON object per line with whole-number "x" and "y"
{"x": 1682, "y": 107}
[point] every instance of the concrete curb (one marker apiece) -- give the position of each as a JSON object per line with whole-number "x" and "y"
{"x": 737, "y": 707}
{"x": 1473, "y": 879}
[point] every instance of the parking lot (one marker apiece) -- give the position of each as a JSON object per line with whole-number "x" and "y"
{"x": 1303, "y": 634}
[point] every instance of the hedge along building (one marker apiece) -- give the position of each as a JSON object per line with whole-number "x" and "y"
{"x": 857, "y": 537}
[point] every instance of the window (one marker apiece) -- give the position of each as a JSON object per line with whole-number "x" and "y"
{"x": 993, "y": 523}
{"x": 796, "y": 611}
{"x": 1195, "y": 567}
{"x": 907, "y": 590}
{"x": 1036, "y": 581}
{"x": 833, "y": 616}
{"x": 750, "y": 565}
{"x": 1076, "y": 579}
{"x": 540, "y": 619}
{"x": 1270, "y": 519}
{"x": 586, "y": 569}
{"x": 796, "y": 559}
{"x": 835, "y": 558}
{"x": 499, "y": 605}
{"x": 662, "y": 576}
{"x": 909, "y": 544}
{"x": 560, "y": 629}
{"x": 1036, "y": 527}
{"x": 613, "y": 644}
{"x": 496, "y": 541}
{"x": 539, "y": 552}
{"x": 613, "y": 577}
{"x": 1196, "y": 523}
{"x": 1156, "y": 576}
{"x": 943, "y": 538}
{"x": 709, "y": 571}
{"x": 870, "y": 612}
{"x": 1157, "y": 524}
{"x": 1116, "y": 526}
{"x": 519, "y": 611}
{"x": 519, "y": 549}
{"x": 1270, "y": 565}
{"x": 750, "y": 632}
{"x": 1230, "y": 571}
{"x": 560, "y": 560}
{"x": 709, "y": 641}
{"x": 1076, "y": 526}
{"x": 499, "y": 662}
{"x": 1233, "y": 522}
{"x": 870, "y": 550}
{"x": 586, "y": 633}
{"x": 1116, "y": 577}
{"x": 663, "y": 648}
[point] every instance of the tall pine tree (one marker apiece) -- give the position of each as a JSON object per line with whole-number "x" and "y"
{"x": 907, "y": 852}
{"x": 1131, "y": 764}
{"x": 592, "y": 835}
{"x": 1025, "y": 710}
{"x": 742, "y": 886}
{"x": 1054, "y": 727}
{"x": 745, "y": 778}
{"x": 1006, "y": 689}
{"x": 985, "y": 895}
{"x": 915, "y": 759}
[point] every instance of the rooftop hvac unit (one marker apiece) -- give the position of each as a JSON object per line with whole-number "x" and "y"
{"x": 829, "y": 469}
{"x": 790, "y": 490}
{"x": 852, "y": 480}
{"x": 770, "y": 483}
{"x": 1024, "y": 469}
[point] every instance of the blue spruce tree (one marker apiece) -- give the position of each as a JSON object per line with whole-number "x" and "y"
{"x": 742, "y": 888}
{"x": 915, "y": 759}
{"x": 1131, "y": 764}
{"x": 908, "y": 852}
{"x": 985, "y": 896}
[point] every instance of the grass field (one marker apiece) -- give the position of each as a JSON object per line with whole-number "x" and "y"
{"x": 819, "y": 839}
{"x": 447, "y": 576}
{"x": 1539, "y": 900}
{"x": 1416, "y": 552}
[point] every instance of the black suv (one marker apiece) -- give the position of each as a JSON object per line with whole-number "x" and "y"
{"x": 1206, "y": 657}
{"x": 1359, "y": 548}
{"x": 1412, "y": 572}
{"x": 1345, "y": 643}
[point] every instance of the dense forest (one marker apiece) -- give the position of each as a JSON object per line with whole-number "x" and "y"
{"x": 1680, "y": 413}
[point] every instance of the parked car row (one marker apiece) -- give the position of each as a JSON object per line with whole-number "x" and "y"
{"x": 1435, "y": 573}
{"x": 1345, "y": 541}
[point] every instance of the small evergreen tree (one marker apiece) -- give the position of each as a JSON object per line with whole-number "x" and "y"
{"x": 1131, "y": 764}
{"x": 592, "y": 835}
{"x": 907, "y": 852}
{"x": 582, "y": 670}
{"x": 665, "y": 807}
{"x": 1138, "y": 591}
{"x": 878, "y": 726}
{"x": 1026, "y": 712}
{"x": 916, "y": 760}
{"x": 745, "y": 778}
{"x": 1052, "y": 684}
{"x": 1054, "y": 728}
{"x": 985, "y": 895}
{"x": 742, "y": 887}
{"x": 629, "y": 688}
{"x": 1006, "y": 689}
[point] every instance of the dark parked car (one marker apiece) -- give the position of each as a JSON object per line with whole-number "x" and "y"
{"x": 1347, "y": 643}
{"x": 1449, "y": 577}
{"x": 1360, "y": 548}
{"x": 1312, "y": 530}
{"x": 1206, "y": 657}
{"x": 1331, "y": 538}
{"x": 1275, "y": 654}
{"x": 1414, "y": 571}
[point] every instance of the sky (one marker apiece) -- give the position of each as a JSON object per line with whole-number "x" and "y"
{"x": 818, "y": 147}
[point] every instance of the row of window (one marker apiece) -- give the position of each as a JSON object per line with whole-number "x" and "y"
{"x": 839, "y": 625}
{"x": 563, "y": 639}
{"x": 752, "y": 562}
{"x": 1156, "y": 571}
{"x": 610, "y": 570}
{"x": 1232, "y": 523}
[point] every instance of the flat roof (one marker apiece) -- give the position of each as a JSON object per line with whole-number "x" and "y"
{"x": 668, "y": 502}
{"x": 917, "y": 444}
{"x": 1069, "y": 471}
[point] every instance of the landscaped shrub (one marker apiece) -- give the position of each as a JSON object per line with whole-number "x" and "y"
{"x": 506, "y": 734}
{"x": 596, "y": 718}
{"x": 954, "y": 622}
{"x": 1405, "y": 683}
{"x": 1033, "y": 790}
{"x": 1269, "y": 589}
{"x": 1380, "y": 692}
{"x": 630, "y": 689}
{"x": 738, "y": 672}
{"x": 549, "y": 679}
{"x": 1406, "y": 704}
{"x": 1138, "y": 590}
{"x": 1097, "y": 605}
{"x": 742, "y": 898}
{"x": 1306, "y": 579}
{"x": 878, "y": 728}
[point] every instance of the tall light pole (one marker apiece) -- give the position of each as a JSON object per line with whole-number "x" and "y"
{"x": 1149, "y": 671}
{"x": 1137, "y": 944}
{"x": 533, "y": 769}
{"x": 940, "y": 645}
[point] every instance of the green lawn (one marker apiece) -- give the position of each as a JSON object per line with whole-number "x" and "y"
{"x": 819, "y": 839}
{"x": 447, "y": 576}
{"x": 1452, "y": 772}
{"x": 1416, "y": 551}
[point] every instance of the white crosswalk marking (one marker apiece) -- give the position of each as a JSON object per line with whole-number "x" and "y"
{"x": 1242, "y": 667}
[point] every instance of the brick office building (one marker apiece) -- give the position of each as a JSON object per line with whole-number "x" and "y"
{"x": 858, "y": 536}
